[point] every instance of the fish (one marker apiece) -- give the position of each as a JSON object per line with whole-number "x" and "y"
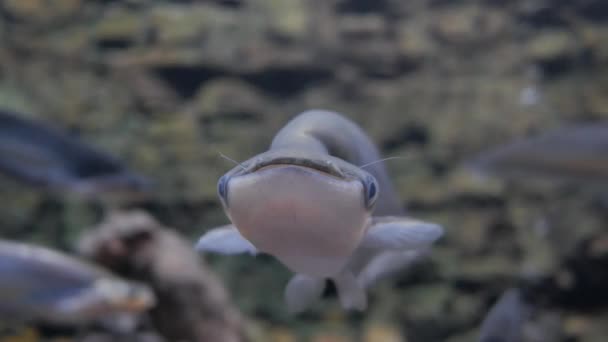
{"x": 574, "y": 153}
{"x": 320, "y": 200}
{"x": 39, "y": 284}
{"x": 505, "y": 320}
{"x": 38, "y": 155}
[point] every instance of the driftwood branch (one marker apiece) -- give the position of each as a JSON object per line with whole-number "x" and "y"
{"x": 192, "y": 303}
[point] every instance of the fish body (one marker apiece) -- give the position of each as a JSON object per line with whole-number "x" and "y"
{"x": 43, "y": 157}
{"x": 577, "y": 153}
{"x": 40, "y": 284}
{"x": 306, "y": 202}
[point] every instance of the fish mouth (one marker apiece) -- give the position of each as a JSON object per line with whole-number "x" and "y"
{"x": 322, "y": 166}
{"x": 306, "y": 169}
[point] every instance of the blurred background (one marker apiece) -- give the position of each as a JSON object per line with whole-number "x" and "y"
{"x": 167, "y": 85}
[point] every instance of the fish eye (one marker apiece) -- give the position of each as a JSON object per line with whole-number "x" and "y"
{"x": 222, "y": 185}
{"x": 371, "y": 192}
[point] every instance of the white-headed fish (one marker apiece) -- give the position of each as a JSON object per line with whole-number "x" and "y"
{"x": 308, "y": 203}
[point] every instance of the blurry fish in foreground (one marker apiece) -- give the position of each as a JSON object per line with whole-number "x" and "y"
{"x": 40, "y": 156}
{"x": 573, "y": 154}
{"x": 504, "y": 322}
{"x": 42, "y": 285}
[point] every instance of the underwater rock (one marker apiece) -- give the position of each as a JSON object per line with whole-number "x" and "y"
{"x": 595, "y": 10}
{"x": 41, "y": 11}
{"x": 382, "y": 332}
{"x": 287, "y": 19}
{"x": 192, "y": 304}
{"x": 230, "y": 97}
{"x": 118, "y": 29}
{"x": 468, "y": 25}
{"x": 178, "y": 24}
{"x": 414, "y": 42}
{"x": 553, "y": 50}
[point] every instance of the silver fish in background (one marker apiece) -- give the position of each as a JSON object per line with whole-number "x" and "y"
{"x": 42, "y": 285}
{"x": 577, "y": 153}
{"x": 505, "y": 320}
{"x": 40, "y": 156}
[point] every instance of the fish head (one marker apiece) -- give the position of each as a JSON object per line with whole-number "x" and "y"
{"x": 307, "y": 210}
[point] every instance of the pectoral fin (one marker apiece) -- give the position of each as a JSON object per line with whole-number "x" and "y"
{"x": 302, "y": 291}
{"x": 386, "y": 264}
{"x": 225, "y": 240}
{"x": 399, "y": 233}
{"x": 351, "y": 295}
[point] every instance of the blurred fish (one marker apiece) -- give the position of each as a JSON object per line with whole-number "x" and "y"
{"x": 577, "y": 153}
{"x": 40, "y": 156}
{"x": 42, "y": 285}
{"x": 504, "y": 322}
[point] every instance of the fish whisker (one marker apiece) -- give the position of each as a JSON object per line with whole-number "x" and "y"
{"x": 231, "y": 160}
{"x": 381, "y": 160}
